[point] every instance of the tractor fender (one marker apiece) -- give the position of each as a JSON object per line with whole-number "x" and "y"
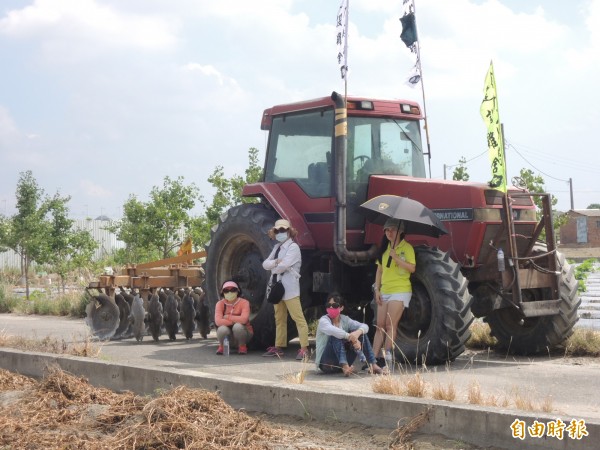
{"x": 273, "y": 194}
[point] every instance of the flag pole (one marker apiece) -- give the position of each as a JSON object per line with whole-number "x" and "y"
{"x": 420, "y": 67}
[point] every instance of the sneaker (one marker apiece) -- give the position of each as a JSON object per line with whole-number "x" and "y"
{"x": 242, "y": 350}
{"x": 274, "y": 351}
{"x": 302, "y": 353}
{"x": 220, "y": 350}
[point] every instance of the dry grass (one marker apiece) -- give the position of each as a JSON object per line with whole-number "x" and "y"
{"x": 583, "y": 342}
{"x": 416, "y": 386}
{"x": 481, "y": 337}
{"x": 547, "y": 404}
{"x": 441, "y": 392}
{"x": 63, "y": 411}
{"x": 86, "y": 348}
{"x": 11, "y": 382}
{"x": 523, "y": 401}
{"x": 389, "y": 384}
{"x": 474, "y": 395}
{"x": 401, "y": 437}
{"x": 298, "y": 377}
{"x": 410, "y": 386}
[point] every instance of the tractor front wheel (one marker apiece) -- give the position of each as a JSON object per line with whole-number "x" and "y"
{"x": 435, "y": 327}
{"x": 238, "y": 246}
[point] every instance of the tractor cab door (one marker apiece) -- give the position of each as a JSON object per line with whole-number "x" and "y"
{"x": 379, "y": 146}
{"x": 299, "y": 150}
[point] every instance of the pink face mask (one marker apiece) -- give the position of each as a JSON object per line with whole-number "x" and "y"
{"x": 333, "y": 313}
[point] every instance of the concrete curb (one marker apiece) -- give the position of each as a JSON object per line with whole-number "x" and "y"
{"x": 477, "y": 425}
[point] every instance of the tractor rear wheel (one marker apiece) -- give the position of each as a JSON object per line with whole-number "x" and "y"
{"x": 435, "y": 327}
{"x": 238, "y": 246}
{"x": 530, "y": 335}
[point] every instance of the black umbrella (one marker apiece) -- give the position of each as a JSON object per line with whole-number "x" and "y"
{"x": 417, "y": 218}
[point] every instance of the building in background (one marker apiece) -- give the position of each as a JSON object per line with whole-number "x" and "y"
{"x": 582, "y": 228}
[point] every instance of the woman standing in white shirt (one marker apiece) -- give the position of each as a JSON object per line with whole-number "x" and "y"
{"x": 284, "y": 262}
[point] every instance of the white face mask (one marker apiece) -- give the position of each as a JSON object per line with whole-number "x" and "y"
{"x": 230, "y": 296}
{"x": 281, "y": 237}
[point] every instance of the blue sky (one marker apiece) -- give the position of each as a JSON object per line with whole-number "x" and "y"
{"x": 103, "y": 98}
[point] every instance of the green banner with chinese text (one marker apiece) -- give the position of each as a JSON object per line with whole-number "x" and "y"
{"x": 491, "y": 117}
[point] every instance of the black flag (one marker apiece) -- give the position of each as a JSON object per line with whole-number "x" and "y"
{"x": 409, "y": 29}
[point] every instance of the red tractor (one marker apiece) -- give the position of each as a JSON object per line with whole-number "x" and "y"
{"x": 327, "y": 156}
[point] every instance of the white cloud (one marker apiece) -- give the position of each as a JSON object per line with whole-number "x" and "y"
{"x": 170, "y": 88}
{"x": 8, "y": 128}
{"x": 88, "y": 20}
{"x": 209, "y": 71}
{"x": 94, "y": 190}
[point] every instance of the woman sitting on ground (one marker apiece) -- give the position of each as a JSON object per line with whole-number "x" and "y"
{"x": 340, "y": 340}
{"x": 232, "y": 317}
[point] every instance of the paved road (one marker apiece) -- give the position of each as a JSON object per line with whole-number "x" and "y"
{"x": 571, "y": 383}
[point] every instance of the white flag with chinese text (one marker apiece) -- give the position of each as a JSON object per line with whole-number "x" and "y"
{"x": 341, "y": 31}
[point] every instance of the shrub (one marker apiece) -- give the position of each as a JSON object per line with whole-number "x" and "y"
{"x": 79, "y": 303}
{"x": 582, "y": 271}
{"x": 8, "y": 301}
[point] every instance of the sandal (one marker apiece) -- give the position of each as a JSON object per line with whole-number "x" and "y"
{"x": 348, "y": 370}
{"x": 376, "y": 370}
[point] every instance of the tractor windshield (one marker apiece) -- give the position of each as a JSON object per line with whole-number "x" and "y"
{"x": 383, "y": 146}
{"x": 379, "y": 146}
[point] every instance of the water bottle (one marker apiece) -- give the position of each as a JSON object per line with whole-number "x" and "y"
{"x": 387, "y": 356}
{"x": 361, "y": 356}
{"x": 226, "y": 346}
{"x": 501, "y": 265}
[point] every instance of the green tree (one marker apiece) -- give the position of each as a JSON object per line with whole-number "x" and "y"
{"x": 41, "y": 232}
{"x": 25, "y": 232}
{"x": 155, "y": 227}
{"x": 460, "y": 172}
{"x": 594, "y": 206}
{"x": 228, "y": 193}
{"x": 68, "y": 249}
{"x": 536, "y": 184}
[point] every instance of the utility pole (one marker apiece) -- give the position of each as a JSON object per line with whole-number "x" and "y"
{"x": 444, "y": 171}
{"x": 571, "y": 191}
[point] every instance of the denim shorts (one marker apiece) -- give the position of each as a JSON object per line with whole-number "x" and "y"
{"x": 403, "y": 297}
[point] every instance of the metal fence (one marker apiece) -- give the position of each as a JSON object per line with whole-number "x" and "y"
{"x": 107, "y": 242}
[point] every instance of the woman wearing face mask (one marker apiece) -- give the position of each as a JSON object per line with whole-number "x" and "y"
{"x": 284, "y": 262}
{"x": 232, "y": 314}
{"x": 340, "y": 340}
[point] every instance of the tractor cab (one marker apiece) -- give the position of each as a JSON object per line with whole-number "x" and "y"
{"x": 383, "y": 138}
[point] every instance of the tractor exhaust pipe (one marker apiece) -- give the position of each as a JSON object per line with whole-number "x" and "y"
{"x": 352, "y": 258}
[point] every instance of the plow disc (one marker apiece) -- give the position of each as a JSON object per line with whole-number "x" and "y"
{"x": 109, "y": 320}
{"x": 102, "y": 316}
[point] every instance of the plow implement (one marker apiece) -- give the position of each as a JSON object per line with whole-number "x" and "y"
{"x": 111, "y": 314}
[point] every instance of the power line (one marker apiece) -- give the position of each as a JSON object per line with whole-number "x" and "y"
{"x": 448, "y": 166}
{"x": 540, "y": 171}
{"x": 552, "y": 159}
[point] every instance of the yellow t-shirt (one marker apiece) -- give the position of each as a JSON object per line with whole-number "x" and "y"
{"x": 395, "y": 279}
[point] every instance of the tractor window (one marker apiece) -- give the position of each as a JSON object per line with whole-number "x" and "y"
{"x": 300, "y": 150}
{"x": 383, "y": 146}
{"x": 379, "y": 146}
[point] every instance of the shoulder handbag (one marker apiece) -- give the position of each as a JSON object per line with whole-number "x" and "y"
{"x": 276, "y": 289}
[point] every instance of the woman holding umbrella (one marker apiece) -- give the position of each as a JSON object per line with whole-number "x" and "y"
{"x": 393, "y": 290}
